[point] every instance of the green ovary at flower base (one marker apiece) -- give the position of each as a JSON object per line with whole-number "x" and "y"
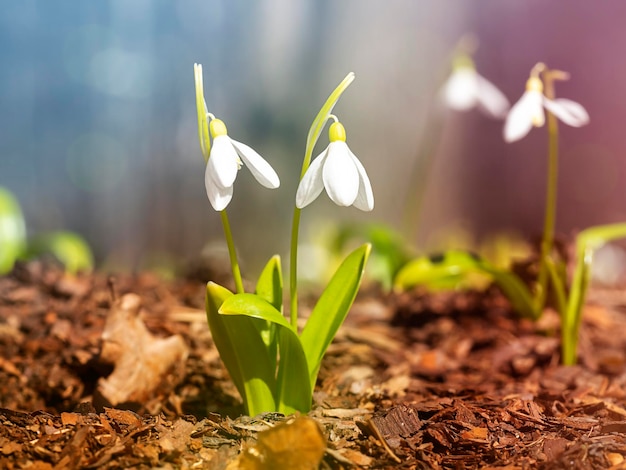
{"x": 339, "y": 171}
{"x": 274, "y": 366}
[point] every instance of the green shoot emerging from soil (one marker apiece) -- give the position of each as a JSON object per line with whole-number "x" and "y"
{"x": 274, "y": 365}
{"x": 67, "y": 247}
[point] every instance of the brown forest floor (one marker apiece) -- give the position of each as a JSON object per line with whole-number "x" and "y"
{"x": 448, "y": 381}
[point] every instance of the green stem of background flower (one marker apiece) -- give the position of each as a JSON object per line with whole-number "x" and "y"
{"x": 551, "y": 194}
{"x": 421, "y": 173}
{"x": 234, "y": 264}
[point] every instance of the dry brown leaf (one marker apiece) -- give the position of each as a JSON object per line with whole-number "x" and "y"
{"x": 297, "y": 444}
{"x": 140, "y": 359}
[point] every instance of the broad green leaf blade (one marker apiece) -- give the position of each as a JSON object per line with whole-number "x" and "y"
{"x": 331, "y": 309}
{"x": 450, "y": 268}
{"x": 270, "y": 287}
{"x": 270, "y": 283}
{"x": 587, "y": 242}
{"x": 12, "y": 231}
{"x": 253, "y": 306}
{"x": 441, "y": 271}
{"x": 321, "y": 118}
{"x": 243, "y": 352}
{"x": 515, "y": 290}
{"x": 294, "y": 392}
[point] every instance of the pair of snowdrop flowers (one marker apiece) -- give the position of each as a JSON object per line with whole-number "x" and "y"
{"x": 337, "y": 169}
{"x": 466, "y": 89}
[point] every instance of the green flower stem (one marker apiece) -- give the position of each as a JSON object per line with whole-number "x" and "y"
{"x": 234, "y": 264}
{"x": 421, "y": 173}
{"x": 293, "y": 255}
{"x": 293, "y": 268}
{"x": 551, "y": 194}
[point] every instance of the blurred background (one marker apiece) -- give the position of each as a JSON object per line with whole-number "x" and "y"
{"x": 99, "y": 135}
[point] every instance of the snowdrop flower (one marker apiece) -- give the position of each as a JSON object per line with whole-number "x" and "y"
{"x": 225, "y": 160}
{"x": 529, "y": 110}
{"x": 226, "y": 157}
{"x": 466, "y": 89}
{"x": 339, "y": 171}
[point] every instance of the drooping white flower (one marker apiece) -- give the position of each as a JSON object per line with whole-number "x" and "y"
{"x": 225, "y": 160}
{"x": 226, "y": 157}
{"x": 466, "y": 89}
{"x": 529, "y": 111}
{"x": 339, "y": 171}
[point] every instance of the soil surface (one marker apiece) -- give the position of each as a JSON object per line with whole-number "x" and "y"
{"x": 452, "y": 381}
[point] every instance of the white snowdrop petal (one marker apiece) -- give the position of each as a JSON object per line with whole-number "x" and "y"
{"x": 311, "y": 184}
{"x": 218, "y": 197}
{"x": 519, "y": 121}
{"x": 568, "y": 111}
{"x": 260, "y": 169}
{"x": 365, "y": 197}
{"x": 490, "y": 99}
{"x": 340, "y": 175}
{"x": 223, "y": 162}
{"x": 460, "y": 90}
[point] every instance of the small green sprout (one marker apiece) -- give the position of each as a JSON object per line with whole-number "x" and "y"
{"x": 12, "y": 231}
{"x": 274, "y": 365}
{"x": 69, "y": 248}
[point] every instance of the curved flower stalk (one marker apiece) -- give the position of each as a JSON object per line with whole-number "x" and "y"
{"x": 339, "y": 171}
{"x": 529, "y": 109}
{"x": 466, "y": 89}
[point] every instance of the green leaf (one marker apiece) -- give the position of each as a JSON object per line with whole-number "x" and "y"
{"x": 321, "y": 118}
{"x": 514, "y": 289}
{"x": 331, "y": 309}
{"x": 12, "y": 230}
{"x": 243, "y": 352}
{"x": 448, "y": 270}
{"x": 270, "y": 283}
{"x": 270, "y": 287}
{"x": 69, "y": 248}
{"x": 441, "y": 271}
{"x": 293, "y": 392}
{"x": 587, "y": 242}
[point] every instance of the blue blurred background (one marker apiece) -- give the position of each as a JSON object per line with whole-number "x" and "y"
{"x": 98, "y": 120}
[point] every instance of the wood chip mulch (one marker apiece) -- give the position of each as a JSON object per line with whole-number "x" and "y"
{"x": 445, "y": 381}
